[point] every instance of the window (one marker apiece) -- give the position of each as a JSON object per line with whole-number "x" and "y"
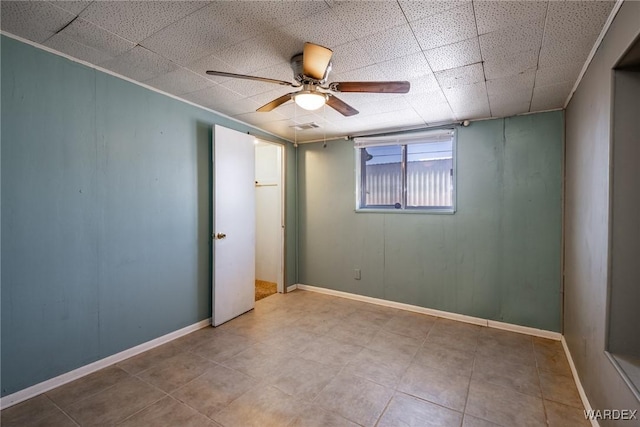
{"x": 410, "y": 172}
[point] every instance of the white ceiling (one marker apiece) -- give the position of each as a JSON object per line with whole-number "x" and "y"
{"x": 464, "y": 59}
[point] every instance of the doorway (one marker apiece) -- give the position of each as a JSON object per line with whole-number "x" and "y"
{"x": 269, "y": 181}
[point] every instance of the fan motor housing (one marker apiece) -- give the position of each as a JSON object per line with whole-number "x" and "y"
{"x": 298, "y": 75}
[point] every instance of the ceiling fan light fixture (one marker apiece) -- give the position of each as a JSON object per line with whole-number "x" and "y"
{"x": 310, "y": 100}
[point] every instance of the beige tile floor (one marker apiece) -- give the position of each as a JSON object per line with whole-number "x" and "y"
{"x": 307, "y": 359}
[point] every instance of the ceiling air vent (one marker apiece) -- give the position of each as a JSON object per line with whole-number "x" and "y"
{"x": 306, "y": 126}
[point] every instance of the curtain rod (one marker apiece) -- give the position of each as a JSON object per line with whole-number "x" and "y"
{"x": 464, "y": 123}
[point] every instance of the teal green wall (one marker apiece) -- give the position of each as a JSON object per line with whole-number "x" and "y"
{"x": 105, "y": 218}
{"x": 498, "y": 257}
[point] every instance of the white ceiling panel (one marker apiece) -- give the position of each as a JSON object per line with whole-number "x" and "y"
{"x": 557, "y": 52}
{"x": 405, "y": 68}
{"x": 323, "y": 28}
{"x": 468, "y": 97}
{"x": 494, "y": 15}
{"x": 77, "y": 50}
{"x": 136, "y": 20}
{"x": 140, "y": 64}
{"x": 506, "y": 109}
{"x": 550, "y": 97}
{"x": 350, "y": 56}
{"x": 433, "y": 44}
{"x": 211, "y": 62}
{"x": 508, "y": 41}
{"x": 201, "y": 33}
{"x": 509, "y": 85}
{"x": 260, "y": 52}
{"x": 365, "y": 18}
{"x": 415, "y": 9}
{"x": 393, "y": 43}
{"x": 454, "y": 55}
{"x": 97, "y": 38}
{"x": 511, "y": 64}
{"x": 562, "y": 73}
{"x": 33, "y": 20}
{"x": 180, "y": 81}
{"x": 72, "y": 6}
{"x": 461, "y": 76}
{"x": 576, "y": 19}
{"x": 445, "y": 28}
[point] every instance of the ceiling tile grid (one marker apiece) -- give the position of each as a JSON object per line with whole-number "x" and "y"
{"x": 464, "y": 59}
{"x": 36, "y": 21}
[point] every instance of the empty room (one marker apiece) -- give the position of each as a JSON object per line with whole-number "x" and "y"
{"x": 320, "y": 213}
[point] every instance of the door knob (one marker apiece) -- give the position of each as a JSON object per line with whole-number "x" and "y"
{"x": 220, "y": 236}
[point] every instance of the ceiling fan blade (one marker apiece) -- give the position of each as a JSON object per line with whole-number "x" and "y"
{"x": 340, "y": 106}
{"x": 243, "y": 76}
{"x": 371, "y": 87}
{"x": 315, "y": 60}
{"x": 276, "y": 103}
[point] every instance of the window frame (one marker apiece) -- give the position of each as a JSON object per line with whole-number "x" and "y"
{"x": 361, "y": 207}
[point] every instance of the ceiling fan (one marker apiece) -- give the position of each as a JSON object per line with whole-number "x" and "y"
{"x": 311, "y": 69}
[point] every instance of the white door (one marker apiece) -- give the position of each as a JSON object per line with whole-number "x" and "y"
{"x": 234, "y": 224}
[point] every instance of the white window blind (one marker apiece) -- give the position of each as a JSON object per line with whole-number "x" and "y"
{"x": 435, "y": 135}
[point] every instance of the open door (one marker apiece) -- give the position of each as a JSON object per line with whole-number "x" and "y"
{"x": 234, "y": 226}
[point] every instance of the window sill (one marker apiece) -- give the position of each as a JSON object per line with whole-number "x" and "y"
{"x": 407, "y": 211}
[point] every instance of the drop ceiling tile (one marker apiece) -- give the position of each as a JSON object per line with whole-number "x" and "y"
{"x": 424, "y": 84}
{"x": 137, "y": 20}
{"x": 370, "y": 73}
{"x": 200, "y": 34}
{"x": 179, "y": 82}
{"x": 393, "y": 43}
{"x": 509, "y": 109}
{"x": 323, "y": 28}
{"x": 454, "y": 55}
{"x": 221, "y": 99}
{"x": 517, "y": 97}
{"x": 415, "y": 10}
{"x": 279, "y": 71}
{"x": 512, "y": 40}
{"x": 264, "y": 51}
{"x": 427, "y": 101}
{"x": 248, "y": 88}
{"x": 556, "y": 52}
{"x": 468, "y": 97}
{"x": 469, "y": 74}
{"x": 139, "y": 64}
{"x": 562, "y": 73}
{"x": 74, "y": 7}
{"x": 494, "y": 15}
{"x": 97, "y": 38}
{"x": 405, "y": 68}
{"x": 512, "y": 84}
{"x": 511, "y": 64}
{"x": 350, "y": 56}
{"x": 445, "y": 28}
{"x": 550, "y": 97}
{"x": 73, "y": 48}
{"x": 397, "y": 103}
{"x": 33, "y": 20}
{"x": 267, "y": 15}
{"x": 480, "y": 112}
{"x": 258, "y": 119}
{"x": 379, "y": 15}
{"x": 576, "y": 19}
{"x": 211, "y": 62}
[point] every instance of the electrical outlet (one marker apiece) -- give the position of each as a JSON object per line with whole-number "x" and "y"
{"x": 356, "y": 274}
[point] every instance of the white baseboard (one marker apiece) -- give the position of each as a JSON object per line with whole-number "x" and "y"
{"x": 43, "y": 387}
{"x": 576, "y": 379}
{"x": 438, "y": 313}
{"x": 292, "y": 288}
